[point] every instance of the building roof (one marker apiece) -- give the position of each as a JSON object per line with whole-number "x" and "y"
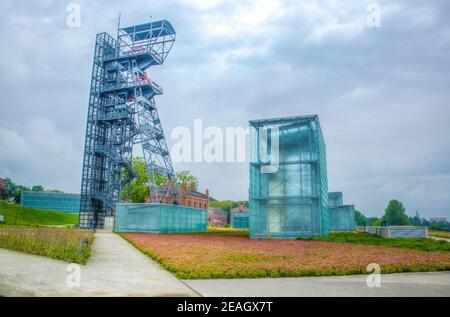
{"x": 240, "y": 208}
{"x": 158, "y": 28}
{"x": 217, "y": 210}
{"x": 49, "y": 193}
{"x": 197, "y": 194}
{"x": 341, "y": 206}
{"x": 305, "y": 118}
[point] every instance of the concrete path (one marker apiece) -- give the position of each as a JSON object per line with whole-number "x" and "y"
{"x": 438, "y": 238}
{"x": 115, "y": 268}
{"x": 404, "y": 284}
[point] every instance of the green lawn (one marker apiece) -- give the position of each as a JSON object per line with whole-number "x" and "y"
{"x": 18, "y": 215}
{"x": 371, "y": 239}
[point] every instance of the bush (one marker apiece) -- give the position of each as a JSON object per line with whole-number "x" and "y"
{"x": 436, "y": 228}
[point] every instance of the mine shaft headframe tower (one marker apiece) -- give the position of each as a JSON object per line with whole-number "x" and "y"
{"x": 122, "y": 113}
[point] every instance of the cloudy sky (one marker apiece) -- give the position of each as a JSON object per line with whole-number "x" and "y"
{"x": 382, "y": 94}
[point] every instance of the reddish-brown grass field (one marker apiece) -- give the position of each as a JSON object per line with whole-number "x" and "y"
{"x": 195, "y": 256}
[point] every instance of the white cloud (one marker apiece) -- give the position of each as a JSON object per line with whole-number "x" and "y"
{"x": 247, "y": 18}
{"x": 36, "y": 147}
{"x": 382, "y": 95}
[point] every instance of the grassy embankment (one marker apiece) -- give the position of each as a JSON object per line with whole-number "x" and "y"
{"x": 16, "y": 215}
{"x": 27, "y": 230}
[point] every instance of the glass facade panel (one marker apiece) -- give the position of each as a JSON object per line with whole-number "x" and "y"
{"x": 342, "y": 218}
{"x": 62, "y": 202}
{"x": 240, "y": 220}
{"x": 289, "y": 191}
{"x": 159, "y": 218}
{"x": 335, "y": 199}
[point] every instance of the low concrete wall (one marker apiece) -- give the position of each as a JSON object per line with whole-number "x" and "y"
{"x": 369, "y": 229}
{"x": 398, "y": 231}
{"x": 407, "y": 232}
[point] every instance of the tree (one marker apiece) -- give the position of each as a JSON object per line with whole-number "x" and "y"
{"x": 137, "y": 190}
{"x": 377, "y": 222}
{"x": 37, "y": 188}
{"x": 14, "y": 191}
{"x": 226, "y": 204}
{"x": 395, "y": 214}
{"x": 361, "y": 220}
{"x": 415, "y": 221}
{"x": 185, "y": 177}
{"x": 55, "y": 191}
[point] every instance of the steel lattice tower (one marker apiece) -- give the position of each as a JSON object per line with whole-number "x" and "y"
{"x": 122, "y": 112}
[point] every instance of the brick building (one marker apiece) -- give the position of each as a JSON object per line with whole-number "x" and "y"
{"x": 195, "y": 199}
{"x": 3, "y": 188}
{"x": 217, "y": 217}
{"x": 190, "y": 198}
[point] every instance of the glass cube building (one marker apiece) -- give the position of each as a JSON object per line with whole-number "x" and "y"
{"x": 55, "y": 201}
{"x": 335, "y": 199}
{"x": 160, "y": 218}
{"x": 239, "y": 220}
{"x": 342, "y": 218}
{"x": 288, "y": 192}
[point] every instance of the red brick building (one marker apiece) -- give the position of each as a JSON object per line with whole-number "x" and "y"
{"x": 3, "y": 188}
{"x": 195, "y": 199}
{"x": 190, "y": 198}
{"x": 217, "y": 217}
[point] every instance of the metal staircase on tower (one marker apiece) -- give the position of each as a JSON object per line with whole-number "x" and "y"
{"x": 122, "y": 113}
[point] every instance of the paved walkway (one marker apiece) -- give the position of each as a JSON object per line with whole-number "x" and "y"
{"x": 438, "y": 238}
{"x": 115, "y": 268}
{"x": 404, "y": 284}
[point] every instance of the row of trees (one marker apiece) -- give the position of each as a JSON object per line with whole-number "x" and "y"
{"x": 13, "y": 190}
{"x": 395, "y": 215}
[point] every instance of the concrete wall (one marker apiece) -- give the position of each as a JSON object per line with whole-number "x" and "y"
{"x": 398, "y": 231}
